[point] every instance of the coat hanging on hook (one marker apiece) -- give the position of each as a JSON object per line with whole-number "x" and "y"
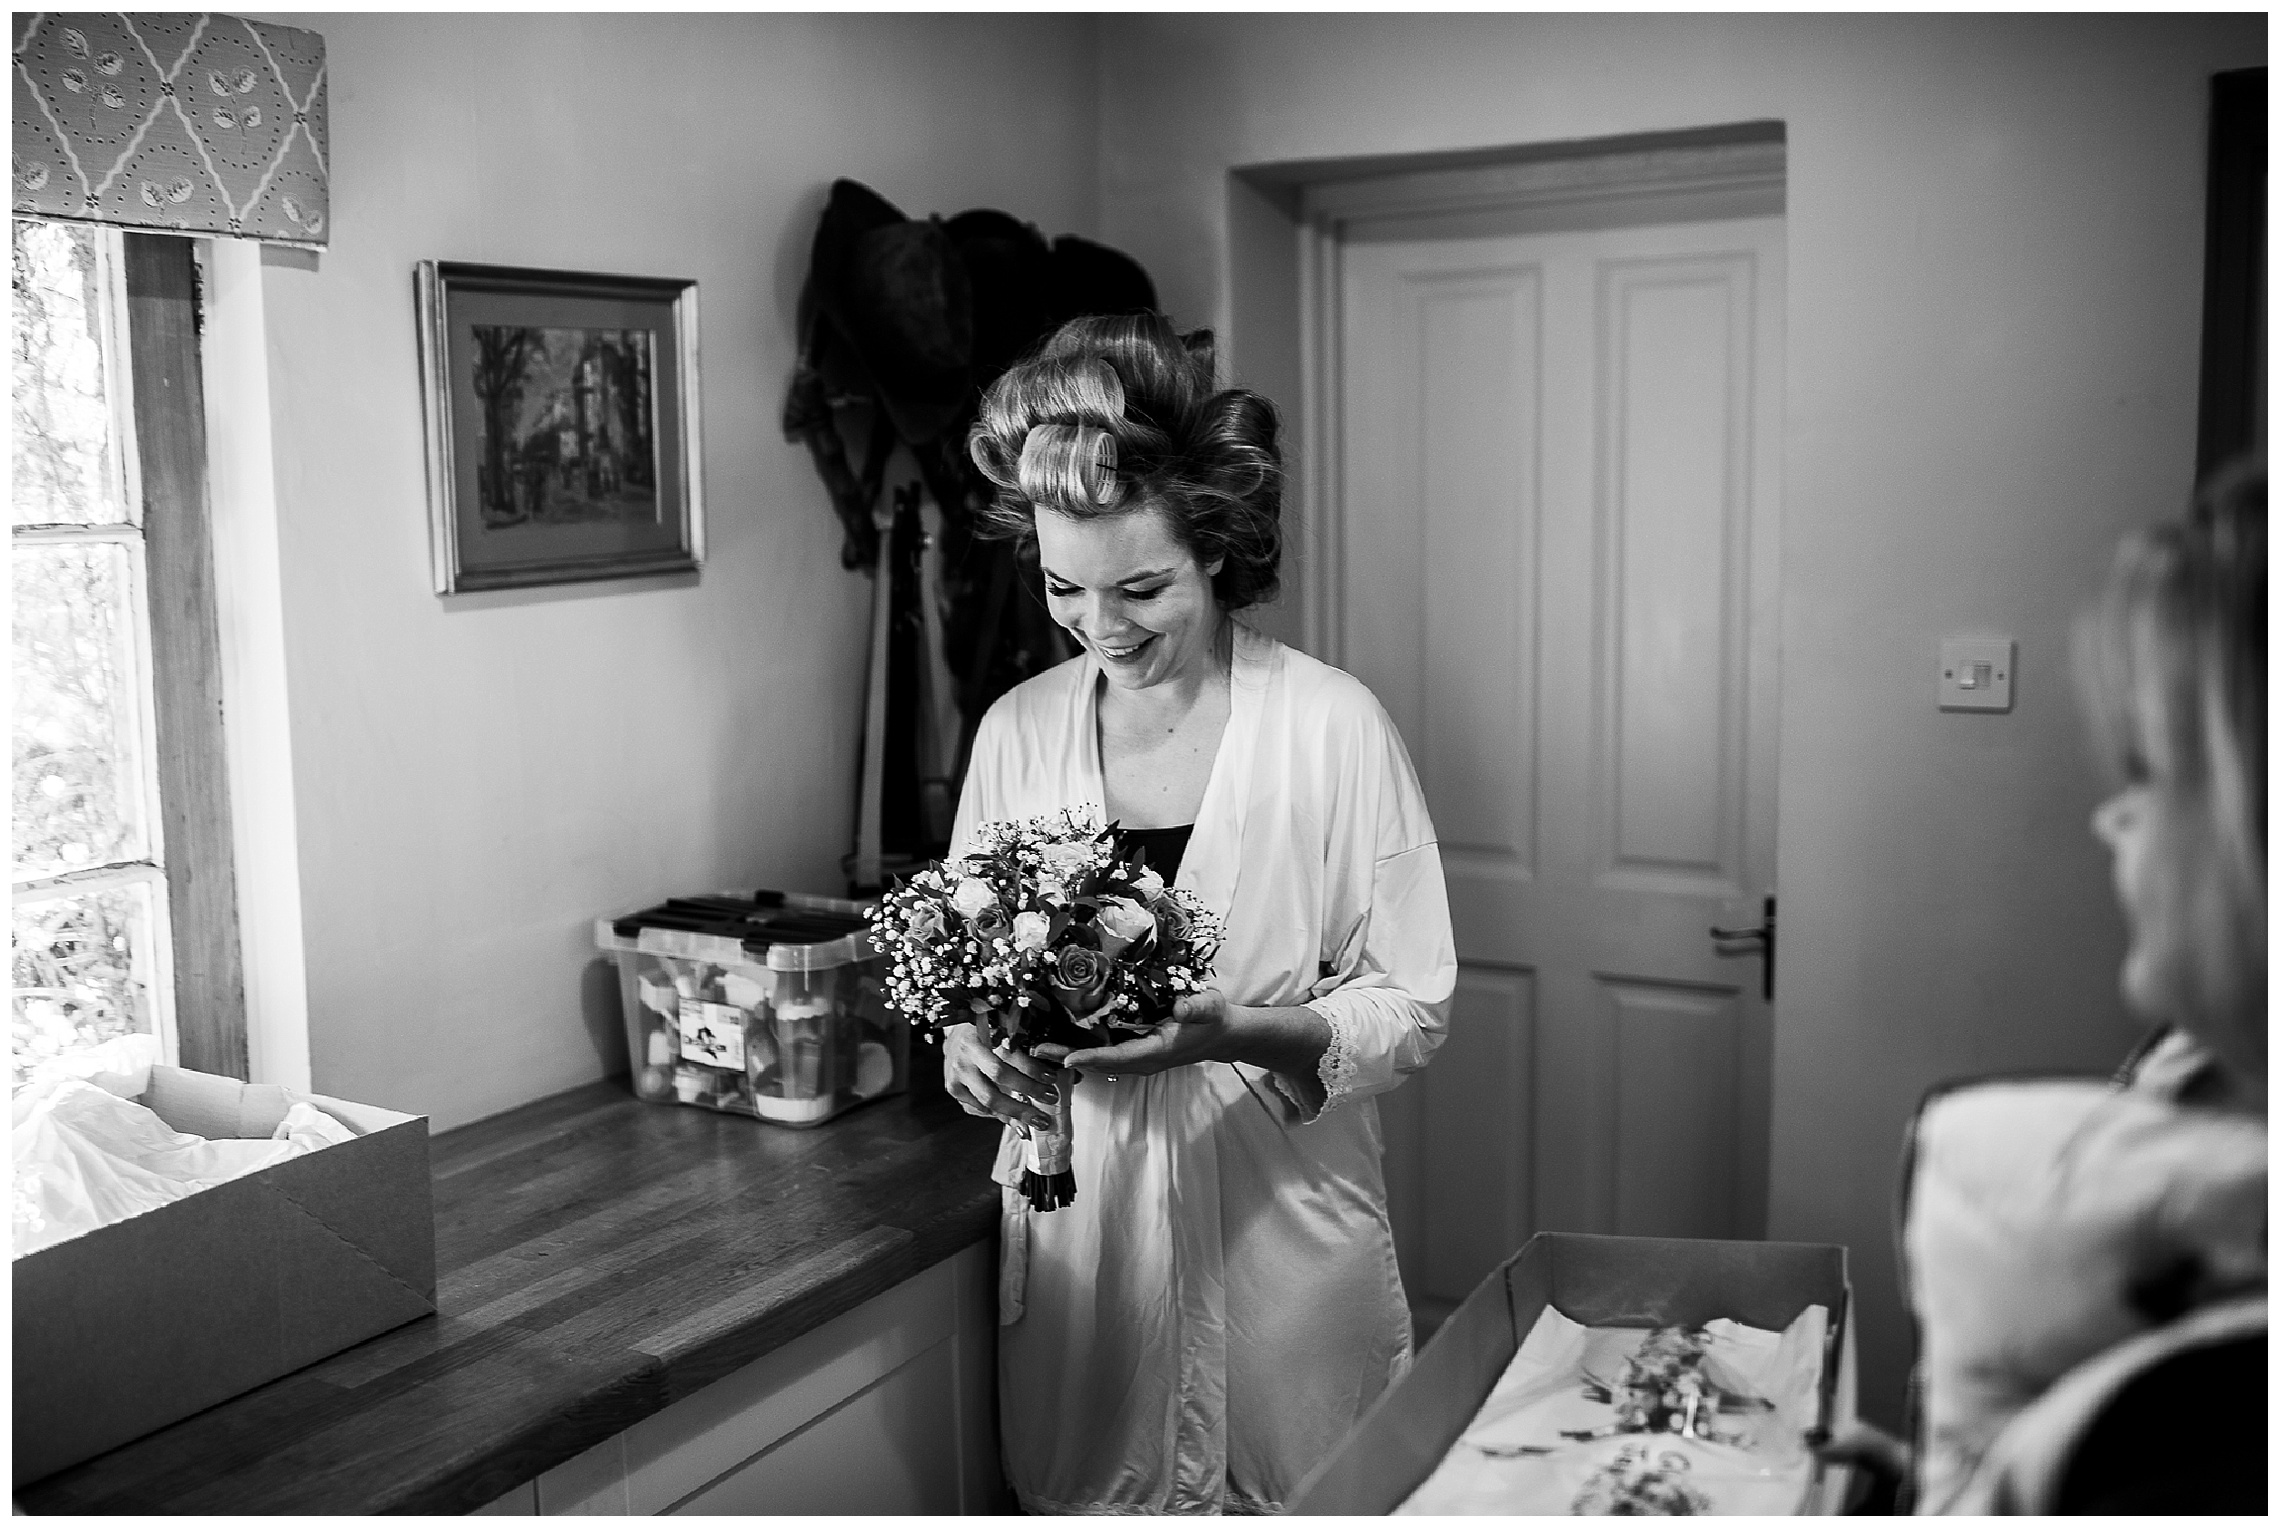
{"x": 903, "y": 322}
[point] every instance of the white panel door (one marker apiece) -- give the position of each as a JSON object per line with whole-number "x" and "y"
{"x": 1559, "y": 520}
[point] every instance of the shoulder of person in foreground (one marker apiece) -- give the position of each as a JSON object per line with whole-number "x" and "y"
{"x": 2042, "y": 1221}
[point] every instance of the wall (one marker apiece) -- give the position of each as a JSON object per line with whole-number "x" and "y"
{"x": 1994, "y": 295}
{"x": 476, "y": 779}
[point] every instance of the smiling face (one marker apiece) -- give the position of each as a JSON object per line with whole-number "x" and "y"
{"x": 1131, "y": 592}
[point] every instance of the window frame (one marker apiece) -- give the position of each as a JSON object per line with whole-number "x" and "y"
{"x": 178, "y": 637}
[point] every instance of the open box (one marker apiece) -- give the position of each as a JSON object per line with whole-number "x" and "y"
{"x": 1598, "y": 1281}
{"x": 143, "y": 1322}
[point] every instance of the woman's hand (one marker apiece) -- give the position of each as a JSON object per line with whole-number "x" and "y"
{"x": 998, "y": 1084}
{"x": 1202, "y": 1027}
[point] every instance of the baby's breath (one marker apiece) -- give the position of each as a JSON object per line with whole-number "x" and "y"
{"x": 946, "y": 971}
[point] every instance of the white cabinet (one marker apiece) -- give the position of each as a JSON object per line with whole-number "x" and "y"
{"x": 890, "y": 1408}
{"x": 884, "y": 1451}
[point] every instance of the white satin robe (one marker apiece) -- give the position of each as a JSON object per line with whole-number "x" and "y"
{"x": 1220, "y": 1304}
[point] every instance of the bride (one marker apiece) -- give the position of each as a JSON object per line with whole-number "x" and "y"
{"x": 1220, "y": 1304}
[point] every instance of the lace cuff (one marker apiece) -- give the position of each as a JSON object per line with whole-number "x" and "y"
{"x": 1338, "y": 1064}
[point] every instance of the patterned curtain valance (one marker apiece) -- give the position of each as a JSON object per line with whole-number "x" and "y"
{"x": 186, "y": 122}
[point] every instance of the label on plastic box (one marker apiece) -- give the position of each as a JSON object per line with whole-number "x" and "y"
{"x": 712, "y": 1034}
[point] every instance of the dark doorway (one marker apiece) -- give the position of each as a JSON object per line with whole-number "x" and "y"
{"x": 2232, "y": 311}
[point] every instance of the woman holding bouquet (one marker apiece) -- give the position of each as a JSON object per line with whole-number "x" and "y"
{"x": 1220, "y": 1303}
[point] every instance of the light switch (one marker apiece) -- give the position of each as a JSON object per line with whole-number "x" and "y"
{"x": 1975, "y": 673}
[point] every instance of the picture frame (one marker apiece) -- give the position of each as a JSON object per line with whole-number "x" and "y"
{"x": 564, "y": 428}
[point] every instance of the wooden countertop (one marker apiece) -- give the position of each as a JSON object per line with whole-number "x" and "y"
{"x": 597, "y": 1259}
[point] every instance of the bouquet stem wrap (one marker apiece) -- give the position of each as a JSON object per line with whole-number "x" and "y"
{"x": 1048, "y": 1178}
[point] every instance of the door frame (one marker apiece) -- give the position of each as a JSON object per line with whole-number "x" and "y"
{"x": 1290, "y": 228}
{"x": 1311, "y": 208}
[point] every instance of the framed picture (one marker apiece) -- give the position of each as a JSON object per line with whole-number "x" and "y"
{"x": 563, "y": 434}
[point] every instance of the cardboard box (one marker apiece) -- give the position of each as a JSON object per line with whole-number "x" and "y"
{"x": 1599, "y": 1281}
{"x": 143, "y": 1322}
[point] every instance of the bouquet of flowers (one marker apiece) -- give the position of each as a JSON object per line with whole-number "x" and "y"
{"x": 1672, "y": 1384}
{"x": 1042, "y": 933}
{"x": 1630, "y": 1485}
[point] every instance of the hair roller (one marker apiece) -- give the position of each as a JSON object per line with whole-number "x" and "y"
{"x": 1112, "y": 413}
{"x": 990, "y": 458}
{"x": 1069, "y": 466}
{"x": 1202, "y": 349}
{"x": 1082, "y": 391}
{"x": 1092, "y": 394}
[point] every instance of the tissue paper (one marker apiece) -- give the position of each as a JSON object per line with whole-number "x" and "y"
{"x": 83, "y": 1155}
{"x": 1628, "y": 1421}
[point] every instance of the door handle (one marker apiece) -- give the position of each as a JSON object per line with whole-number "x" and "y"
{"x": 1759, "y": 939}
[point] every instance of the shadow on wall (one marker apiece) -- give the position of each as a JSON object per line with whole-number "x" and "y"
{"x": 603, "y": 1010}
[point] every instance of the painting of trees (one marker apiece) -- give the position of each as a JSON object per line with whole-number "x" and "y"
{"x": 503, "y": 357}
{"x": 567, "y": 425}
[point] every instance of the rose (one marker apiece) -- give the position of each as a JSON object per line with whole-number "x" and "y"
{"x": 1122, "y": 923}
{"x": 1064, "y": 860}
{"x": 1030, "y": 930}
{"x": 1172, "y": 921}
{"x": 926, "y": 923}
{"x": 1080, "y": 978}
{"x": 1147, "y": 882}
{"x": 1059, "y": 865}
{"x": 972, "y": 896}
{"x": 991, "y": 923}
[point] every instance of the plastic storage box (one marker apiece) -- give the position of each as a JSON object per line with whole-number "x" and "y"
{"x": 771, "y": 1005}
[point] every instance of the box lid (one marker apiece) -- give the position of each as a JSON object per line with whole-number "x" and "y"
{"x": 785, "y": 931}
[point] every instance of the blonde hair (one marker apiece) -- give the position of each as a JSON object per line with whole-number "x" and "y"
{"x": 2173, "y": 671}
{"x": 1112, "y": 415}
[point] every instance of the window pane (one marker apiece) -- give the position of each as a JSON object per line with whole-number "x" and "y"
{"x": 84, "y": 970}
{"x": 66, "y": 468}
{"x": 78, "y": 705}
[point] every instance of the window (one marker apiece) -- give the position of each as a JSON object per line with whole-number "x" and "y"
{"x": 122, "y": 893}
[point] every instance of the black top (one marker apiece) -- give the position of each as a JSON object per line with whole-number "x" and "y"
{"x": 1163, "y": 847}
